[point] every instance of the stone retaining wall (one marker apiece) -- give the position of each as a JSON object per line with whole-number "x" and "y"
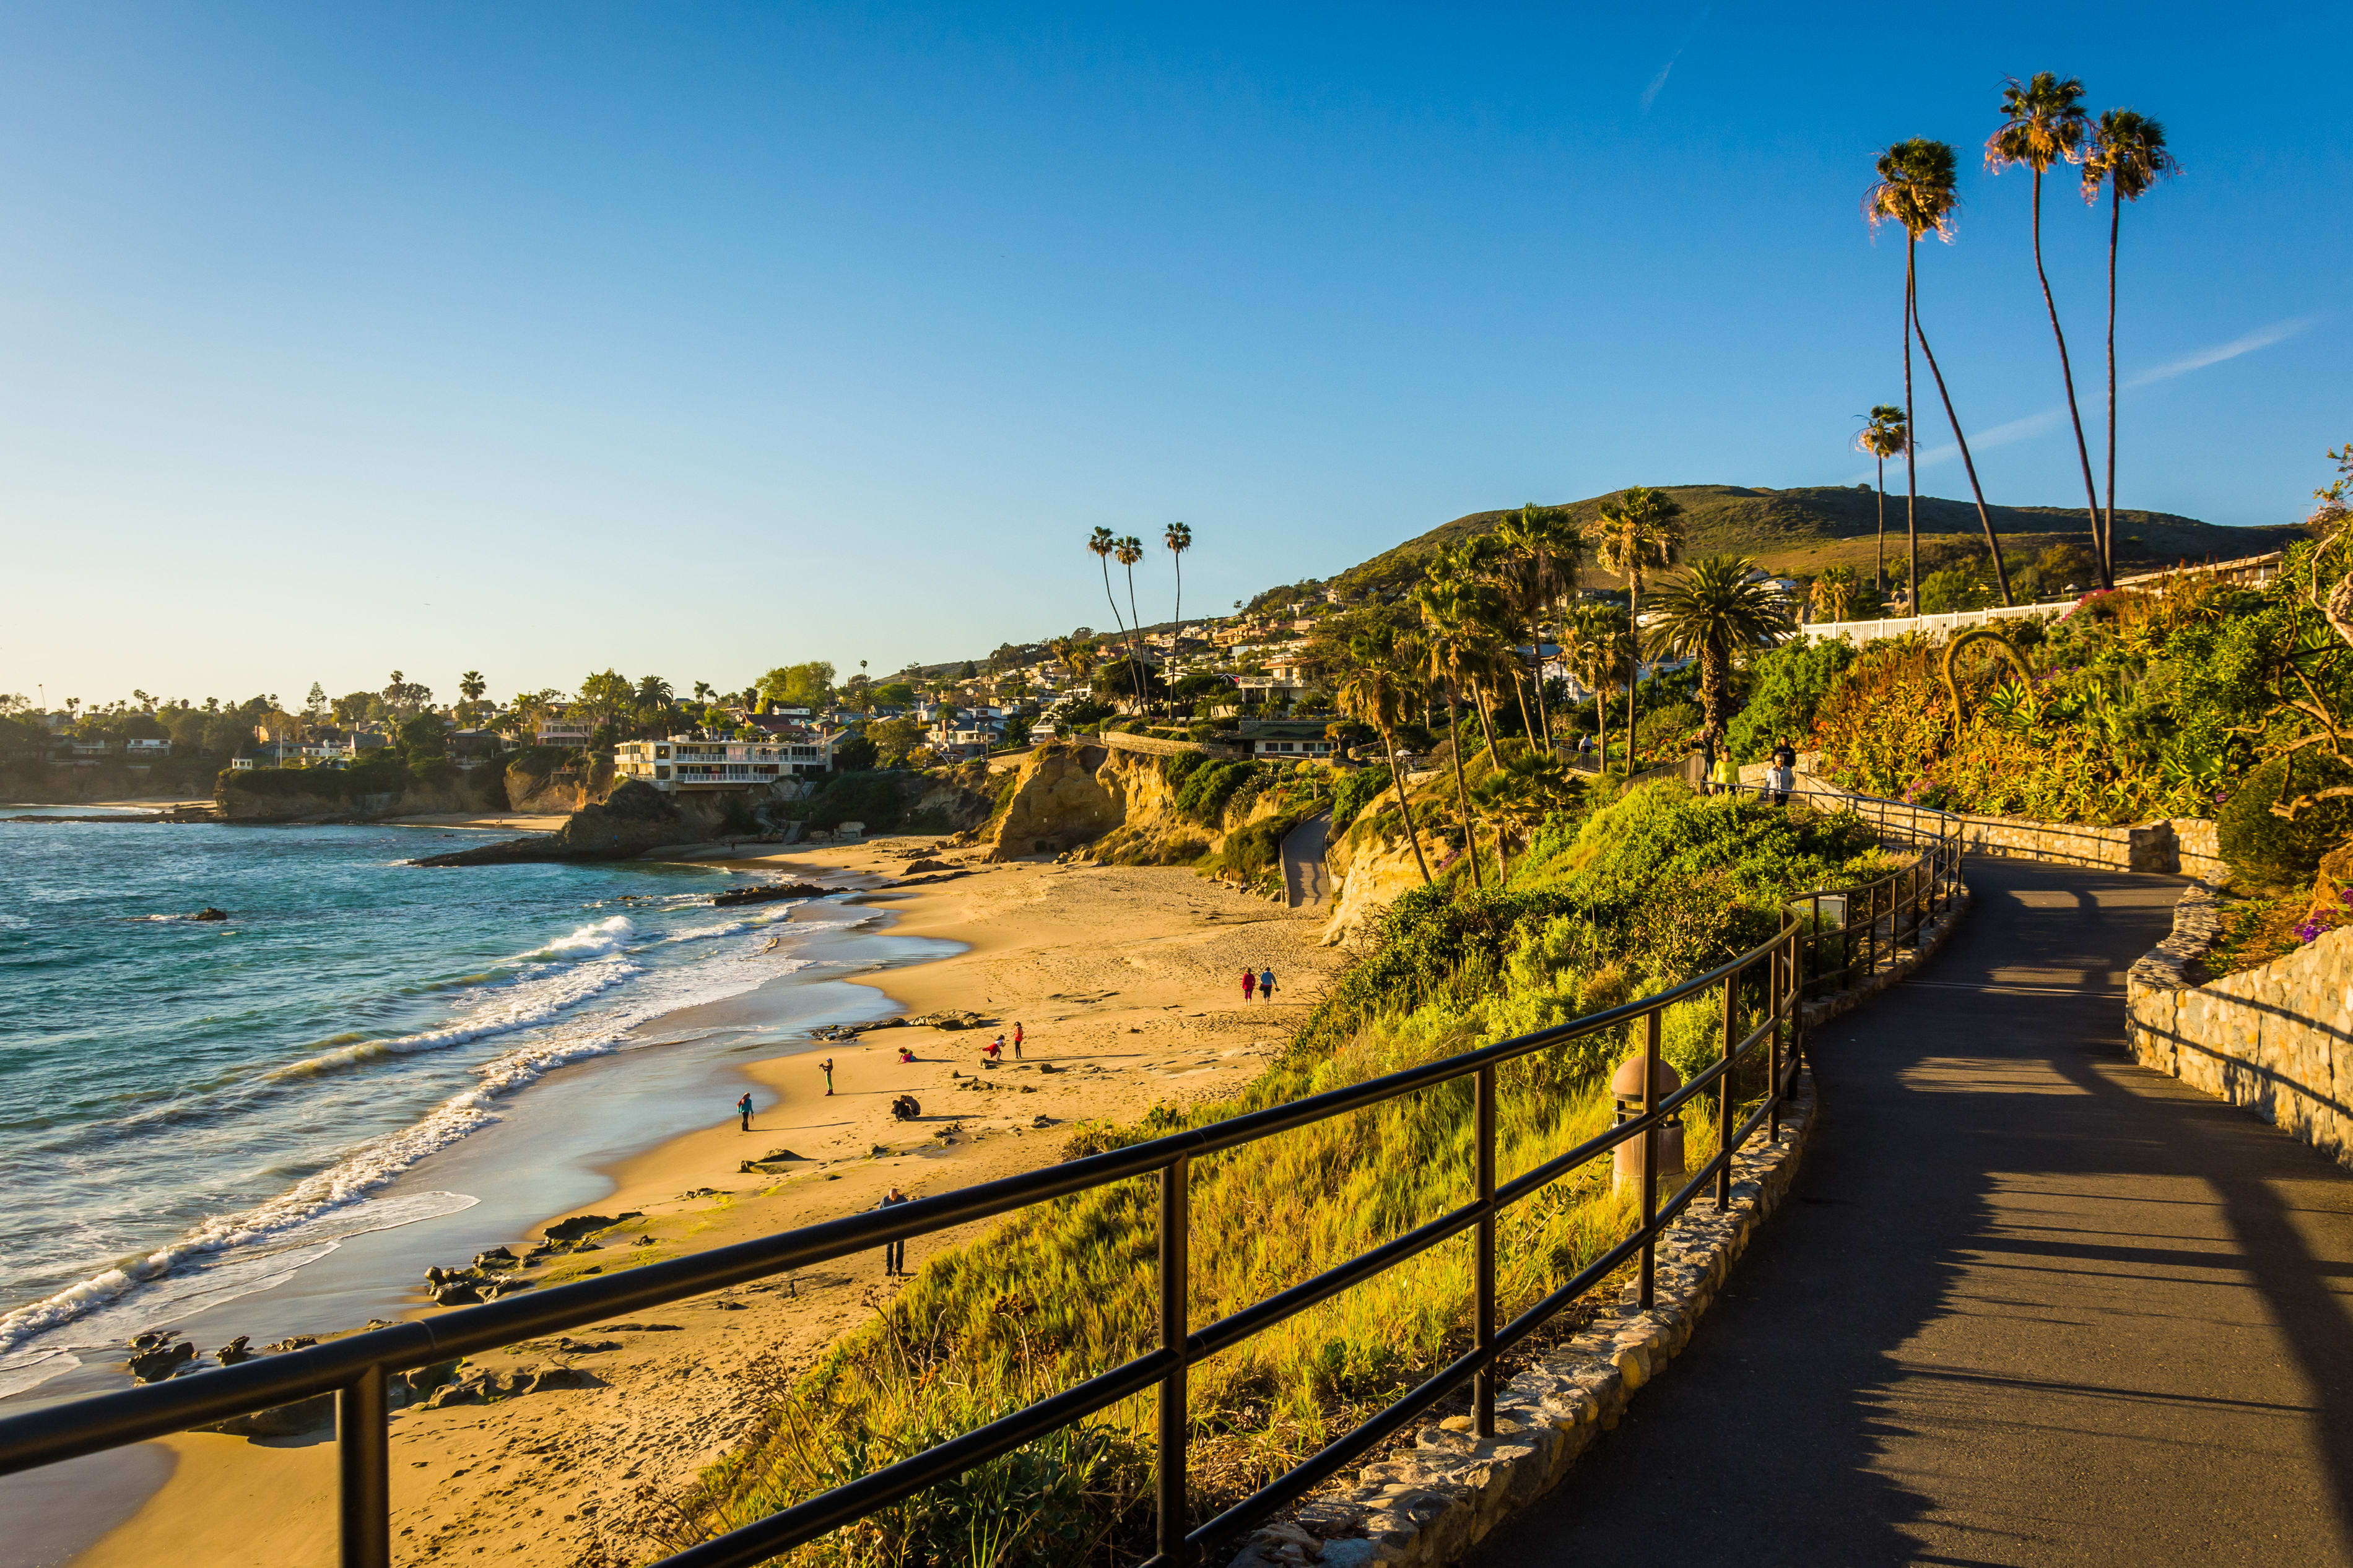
{"x": 1154, "y": 746}
{"x": 2277, "y": 1039}
{"x": 1431, "y": 1503}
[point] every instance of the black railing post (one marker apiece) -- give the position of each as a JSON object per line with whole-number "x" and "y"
{"x": 363, "y": 1458}
{"x": 1650, "y": 1155}
{"x": 1483, "y": 1388}
{"x": 1777, "y": 986}
{"x": 1724, "y": 1084}
{"x": 1175, "y": 1228}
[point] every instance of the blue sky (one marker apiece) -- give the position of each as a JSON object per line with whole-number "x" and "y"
{"x": 697, "y": 339}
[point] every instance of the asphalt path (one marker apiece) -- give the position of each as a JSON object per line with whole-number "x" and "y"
{"x": 2030, "y": 1302}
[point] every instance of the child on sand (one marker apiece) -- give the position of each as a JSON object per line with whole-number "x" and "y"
{"x": 1249, "y": 984}
{"x": 1017, "y": 1042}
{"x": 905, "y": 1055}
{"x": 995, "y": 1049}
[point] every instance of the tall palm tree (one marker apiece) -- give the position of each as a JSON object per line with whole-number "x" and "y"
{"x": 1886, "y": 432}
{"x": 1102, "y": 544}
{"x": 1377, "y": 687}
{"x": 1596, "y": 642}
{"x": 2128, "y": 152}
{"x": 2043, "y": 123}
{"x": 1641, "y": 530}
{"x": 1720, "y": 605}
{"x": 1543, "y": 544}
{"x": 1179, "y": 539}
{"x": 1457, "y": 640}
{"x": 1127, "y": 553}
{"x": 1917, "y": 189}
{"x": 1527, "y": 786}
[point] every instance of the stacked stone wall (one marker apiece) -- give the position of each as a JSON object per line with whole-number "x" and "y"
{"x": 2277, "y": 1039}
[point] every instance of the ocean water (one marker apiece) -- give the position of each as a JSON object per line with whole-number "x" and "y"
{"x": 192, "y": 1111}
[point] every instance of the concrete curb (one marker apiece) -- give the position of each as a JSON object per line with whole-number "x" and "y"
{"x": 1430, "y": 1506}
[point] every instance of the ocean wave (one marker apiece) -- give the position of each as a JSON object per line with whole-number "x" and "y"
{"x": 533, "y": 1000}
{"x": 600, "y": 937}
{"x": 37, "y": 1341}
{"x": 545, "y": 994}
{"x": 14, "y": 922}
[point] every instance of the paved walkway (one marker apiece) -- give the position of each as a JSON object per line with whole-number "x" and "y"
{"x": 2030, "y": 1302}
{"x": 1305, "y": 878}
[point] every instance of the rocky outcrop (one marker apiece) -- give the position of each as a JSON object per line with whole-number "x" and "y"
{"x": 561, "y": 792}
{"x": 1059, "y": 801}
{"x": 477, "y": 791}
{"x": 633, "y": 819}
{"x": 1371, "y": 870}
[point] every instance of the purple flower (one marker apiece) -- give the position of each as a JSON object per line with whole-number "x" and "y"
{"x": 2310, "y": 930}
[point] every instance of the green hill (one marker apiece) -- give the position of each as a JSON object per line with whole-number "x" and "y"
{"x": 1798, "y": 533}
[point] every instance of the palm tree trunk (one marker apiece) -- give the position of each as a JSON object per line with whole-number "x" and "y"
{"x": 1178, "y": 556}
{"x": 1405, "y": 806}
{"x": 1544, "y": 717}
{"x": 1502, "y": 861}
{"x": 1711, "y": 695}
{"x": 1461, "y": 785}
{"x": 1113, "y": 600}
{"x": 1602, "y": 711}
{"x": 2067, "y": 374}
{"x": 1985, "y": 519}
{"x": 1479, "y": 695}
{"x": 1136, "y": 658}
{"x": 2107, "y": 542}
{"x": 1527, "y": 722}
{"x": 1879, "y": 554}
{"x": 1911, "y": 442}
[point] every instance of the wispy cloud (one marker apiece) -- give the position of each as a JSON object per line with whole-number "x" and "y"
{"x": 2049, "y": 419}
{"x": 1659, "y": 82}
{"x": 2261, "y": 338}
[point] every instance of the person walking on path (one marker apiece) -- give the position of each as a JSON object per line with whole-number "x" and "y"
{"x": 1725, "y": 779}
{"x": 826, "y": 1066}
{"x": 1266, "y": 985}
{"x": 894, "y": 1253}
{"x": 1784, "y": 777}
{"x": 1017, "y": 1041}
{"x": 743, "y": 1110}
{"x": 1249, "y": 984}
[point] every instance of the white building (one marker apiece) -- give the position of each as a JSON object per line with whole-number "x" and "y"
{"x": 559, "y": 730}
{"x": 684, "y": 762}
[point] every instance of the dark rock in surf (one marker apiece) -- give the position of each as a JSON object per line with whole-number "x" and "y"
{"x": 209, "y": 913}
{"x": 155, "y": 1365}
{"x": 579, "y": 1226}
{"x": 234, "y": 1352}
{"x": 769, "y": 893}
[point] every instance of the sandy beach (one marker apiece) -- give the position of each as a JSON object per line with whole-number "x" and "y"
{"x": 1127, "y": 982}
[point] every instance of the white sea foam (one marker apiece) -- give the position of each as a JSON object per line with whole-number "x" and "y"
{"x": 544, "y": 993}
{"x": 14, "y": 922}
{"x": 39, "y": 1342}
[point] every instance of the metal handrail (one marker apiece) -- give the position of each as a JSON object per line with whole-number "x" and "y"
{"x": 356, "y": 1369}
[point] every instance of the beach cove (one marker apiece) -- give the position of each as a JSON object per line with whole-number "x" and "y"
{"x": 1127, "y": 982}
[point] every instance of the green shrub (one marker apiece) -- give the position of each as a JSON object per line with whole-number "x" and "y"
{"x": 1786, "y": 688}
{"x": 1207, "y": 788}
{"x": 1354, "y": 791}
{"x": 2265, "y": 847}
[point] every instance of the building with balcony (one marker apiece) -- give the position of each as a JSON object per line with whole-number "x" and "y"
{"x": 689, "y": 764}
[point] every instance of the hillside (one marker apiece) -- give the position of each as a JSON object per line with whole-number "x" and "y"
{"x": 1800, "y": 532}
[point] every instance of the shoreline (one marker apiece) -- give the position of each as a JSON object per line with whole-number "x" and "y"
{"x": 1118, "y": 977}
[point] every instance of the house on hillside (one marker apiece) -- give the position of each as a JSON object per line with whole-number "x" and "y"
{"x": 694, "y": 764}
{"x": 1287, "y": 740}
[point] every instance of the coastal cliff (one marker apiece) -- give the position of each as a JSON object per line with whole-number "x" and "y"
{"x": 299, "y": 796}
{"x": 633, "y": 819}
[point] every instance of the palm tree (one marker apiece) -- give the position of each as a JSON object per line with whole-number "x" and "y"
{"x": 1376, "y": 686}
{"x": 1596, "y": 642}
{"x": 1179, "y": 539}
{"x": 1641, "y": 530}
{"x": 1458, "y": 640}
{"x": 1917, "y": 189}
{"x": 1527, "y": 786}
{"x": 1543, "y": 543}
{"x": 1127, "y": 553}
{"x": 1833, "y": 595}
{"x": 2043, "y": 124}
{"x": 1722, "y": 605}
{"x": 2127, "y": 151}
{"x": 1888, "y": 430}
{"x": 1103, "y": 544}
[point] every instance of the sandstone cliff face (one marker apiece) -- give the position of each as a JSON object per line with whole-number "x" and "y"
{"x": 561, "y": 793}
{"x": 1060, "y": 802}
{"x": 633, "y": 819}
{"x": 1377, "y": 868}
{"x": 462, "y": 794}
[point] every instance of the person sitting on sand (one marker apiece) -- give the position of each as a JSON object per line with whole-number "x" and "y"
{"x": 1249, "y": 984}
{"x": 995, "y": 1049}
{"x": 905, "y": 1055}
{"x": 906, "y": 1108}
{"x": 743, "y": 1110}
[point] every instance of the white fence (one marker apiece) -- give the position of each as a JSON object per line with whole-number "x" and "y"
{"x": 2248, "y": 568}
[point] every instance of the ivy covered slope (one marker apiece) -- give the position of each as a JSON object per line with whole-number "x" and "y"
{"x": 2133, "y": 706}
{"x": 1603, "y": 906}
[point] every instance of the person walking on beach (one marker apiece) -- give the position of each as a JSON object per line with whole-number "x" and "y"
{"x": 1249, "y": 984}
{"x": 1017, "y": 1041}
{"x": 826, "y": 1066}
{"x": 1266, "y": 985}
{"x": 894, "y": 1253}
{"x": 743, "y": 1110}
